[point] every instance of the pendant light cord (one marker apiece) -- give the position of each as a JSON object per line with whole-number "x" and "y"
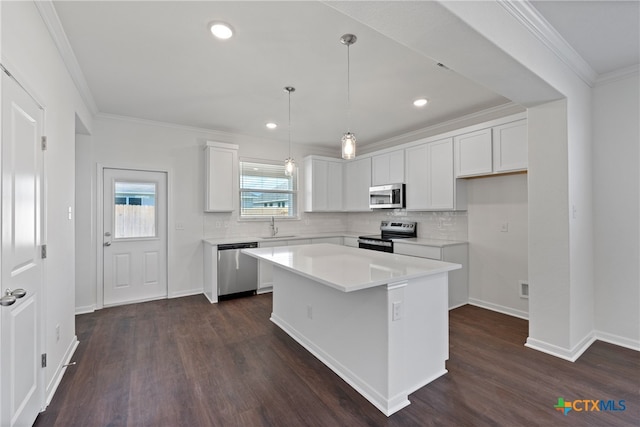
{"x": 348, "y": 90}
{"x": 289, "y": 123}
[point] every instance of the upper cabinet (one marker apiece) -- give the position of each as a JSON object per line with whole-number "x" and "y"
{"x": 221, "y": 177}
{"x": 473, "y": 153}
{"x": 490, "y": 151}
{"x": 323, "y": 184}
{"x": 387, "y": 168}
{"x": 357, "y": 180}
{"x": 430, "y": 182}
{"x": 510, "y": 147}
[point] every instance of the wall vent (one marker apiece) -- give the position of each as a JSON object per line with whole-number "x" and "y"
{"x": 524, "y": 289}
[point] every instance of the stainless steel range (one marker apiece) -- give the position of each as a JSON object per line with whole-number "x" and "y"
{"x": 388, "y": 230}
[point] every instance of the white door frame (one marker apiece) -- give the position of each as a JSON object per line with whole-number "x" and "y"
{"x": 100, "y": 167}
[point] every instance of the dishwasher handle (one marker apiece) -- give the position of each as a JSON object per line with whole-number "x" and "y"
{"x": 232, "y": 246}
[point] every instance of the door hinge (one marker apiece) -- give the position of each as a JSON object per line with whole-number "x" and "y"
{"x": 44, "y": 360}
{"x": 43, "y": 251}
{"x": 44, "y": 143}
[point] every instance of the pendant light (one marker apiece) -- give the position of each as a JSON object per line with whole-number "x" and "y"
{"x": 348, "y": 139}
{"x": 289, "y": 163}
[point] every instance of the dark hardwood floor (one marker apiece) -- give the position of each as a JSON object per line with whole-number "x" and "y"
{"x": 185, "y": 362}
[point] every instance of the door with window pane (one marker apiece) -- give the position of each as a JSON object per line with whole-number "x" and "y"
{"x": 134, "y": 236}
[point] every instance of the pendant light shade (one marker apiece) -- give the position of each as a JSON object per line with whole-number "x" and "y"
{"x": 348, "y": 139}
{"x": 289, "y": 163}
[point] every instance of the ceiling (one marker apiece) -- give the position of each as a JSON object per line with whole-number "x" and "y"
{"x": 156, "y": 60}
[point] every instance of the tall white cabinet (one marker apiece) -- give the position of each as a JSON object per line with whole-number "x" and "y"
{"x": 323, "y": 183}
{"x": 430, "y": 182}
{"x": 357, "y": 180}
{"x": 221, "y": 177}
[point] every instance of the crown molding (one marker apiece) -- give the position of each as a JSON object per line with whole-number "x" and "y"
{"x": 503, "y": 110}
{"x": 52, "y": 22}
{"x": 614, "y": 76}
{"x": 533, "y": 21}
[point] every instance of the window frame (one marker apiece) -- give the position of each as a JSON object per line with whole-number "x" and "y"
{"x": 294, "y": 191}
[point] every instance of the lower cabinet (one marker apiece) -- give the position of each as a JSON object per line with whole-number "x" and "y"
{"x": 458, "y": 279}
{"x": 265, "y": 269}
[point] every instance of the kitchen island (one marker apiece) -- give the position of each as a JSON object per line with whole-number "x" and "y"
{"x": 378, "y": 320}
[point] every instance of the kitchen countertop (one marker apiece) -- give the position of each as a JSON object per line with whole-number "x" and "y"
{"x": 349, "y": 269}
{"x": 413, "y": 241}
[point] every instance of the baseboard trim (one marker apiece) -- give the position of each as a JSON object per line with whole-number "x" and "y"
{"x": 499, "y": 308}
{"x": 618, "y": 340}
{"x": 60, "y": 370}
{"x": 567, "y": 354}
{"x": 187, "y": 293}
{"x": 86, "y": 309}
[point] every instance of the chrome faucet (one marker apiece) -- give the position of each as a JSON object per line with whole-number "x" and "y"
{"x": 274, "y": 229}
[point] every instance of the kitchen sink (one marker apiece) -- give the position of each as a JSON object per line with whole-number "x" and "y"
{"x": 277, "y": 237}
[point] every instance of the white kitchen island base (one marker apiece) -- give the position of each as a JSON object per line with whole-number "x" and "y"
{"x": 355, "y": 334}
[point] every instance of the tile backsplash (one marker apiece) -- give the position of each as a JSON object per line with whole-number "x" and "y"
{"x": 432, "y": 225}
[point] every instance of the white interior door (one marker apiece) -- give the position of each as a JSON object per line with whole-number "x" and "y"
{"x": 21, "y": 328}
{"x": 134, "y": 236}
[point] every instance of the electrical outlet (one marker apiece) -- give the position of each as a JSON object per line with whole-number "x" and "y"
{"x": 396, "y": 311}
{"x": 504, "y": 227}
{"x": 524, "y": 289}
{"x": 57, "y": 332}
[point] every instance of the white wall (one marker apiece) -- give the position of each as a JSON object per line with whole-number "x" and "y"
{"x": 617, "y": 210}
{"x": 129, "y": 143}
{"x": 28, "y": 52}
{"x": 498, "y": 258}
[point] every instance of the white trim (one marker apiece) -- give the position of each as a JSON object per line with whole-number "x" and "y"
{"x": 52, "y": 22}
{"x": 187, "y": 293}
{"x": 504, "y": 110}
{"x": 537, "y": 25}
{"x": 567, "y": 354}
{"x": 617, "y": 75}
{"x": 499, "y": 308}
{"x": 618, "y": 340}
{"x": 218, "y": 134}
{"x": 100, "y": 167}
{"x": 221, "y": 145}
{"x": 85, "y": 309}
{"x": 60, "y": 370}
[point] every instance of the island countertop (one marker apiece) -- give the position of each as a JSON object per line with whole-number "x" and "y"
{"x": 349, "y": 269}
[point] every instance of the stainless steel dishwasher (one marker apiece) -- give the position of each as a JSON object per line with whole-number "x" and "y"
{"x": 237, "y": 272}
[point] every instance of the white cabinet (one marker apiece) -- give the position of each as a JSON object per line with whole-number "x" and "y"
{"x": 458, "y": 253}
{"x": 350, "y": 241}
{"x": 491, "y": 151}
{"x": 387, "y": 168}
{"x": 357, "y": 180}
{"x": 221, "y": 180}
{"x": 333, "y": 240}
{"x": 473, "y": 153}
{"x": 265, "y": 269}
{"x": 323, "y": 184}
{"x": 430, "y": 182}
{"x": 510, "y": 147}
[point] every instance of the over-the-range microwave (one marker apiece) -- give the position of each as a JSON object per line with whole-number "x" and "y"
{"x": 390, "y": 196}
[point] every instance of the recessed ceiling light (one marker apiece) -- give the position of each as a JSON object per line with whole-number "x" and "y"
{"x": 221, "y": 30}
{"x": 271, "y": 125}
{"x": 420, "y": 102}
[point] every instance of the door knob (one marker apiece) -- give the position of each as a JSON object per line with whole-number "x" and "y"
{"x": 7, "y": 300}
{"x": 18, "y": 293}
{"x": 10, "y": 296}
{"x": 107, "y": 243}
